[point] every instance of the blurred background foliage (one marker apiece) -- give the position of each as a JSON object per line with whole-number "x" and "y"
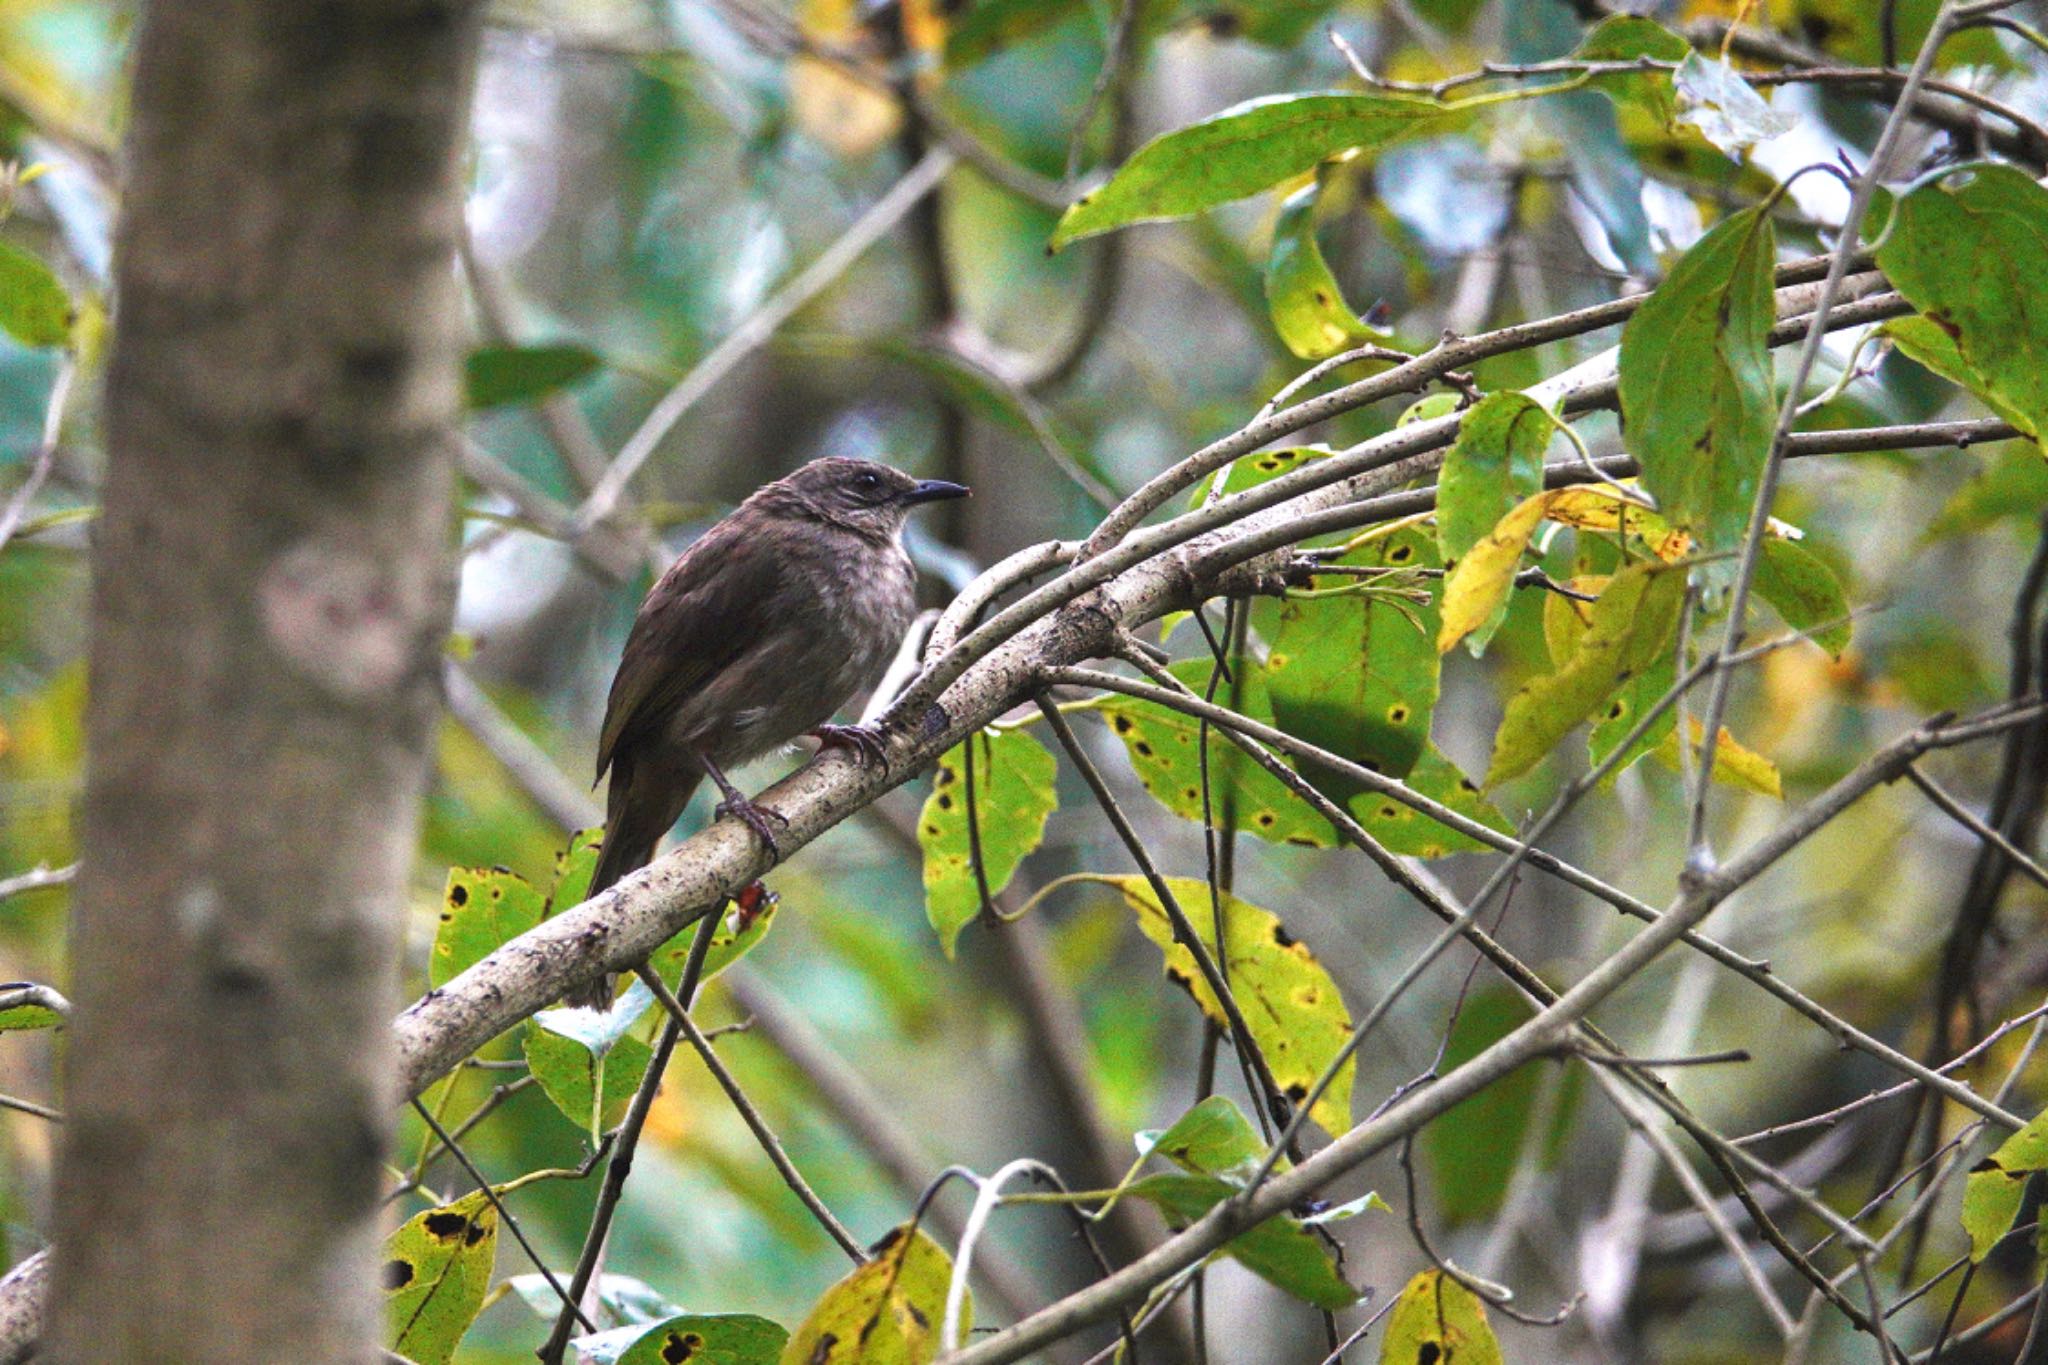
{"x": 646, "y": 174}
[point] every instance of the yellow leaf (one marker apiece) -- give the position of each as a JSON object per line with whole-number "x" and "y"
{"x": 887, "y": 1312}
{"x": 1734, "y": 764}
{"x": 1438, "y": 1319}
{"x": 1478, "y": 584}
{"x": 850, "y": 115}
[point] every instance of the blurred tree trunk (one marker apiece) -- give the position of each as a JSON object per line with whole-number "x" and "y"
{"x": 271, "y": 589}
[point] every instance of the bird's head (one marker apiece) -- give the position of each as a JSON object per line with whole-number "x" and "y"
{"x": 860, "y": 495}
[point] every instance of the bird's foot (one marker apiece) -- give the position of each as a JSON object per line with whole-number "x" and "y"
{"x": 867, "y": 743}
{"x": 756, "y": 818}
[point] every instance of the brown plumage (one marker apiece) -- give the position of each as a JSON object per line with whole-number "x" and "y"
{"x": 757, "y": 633}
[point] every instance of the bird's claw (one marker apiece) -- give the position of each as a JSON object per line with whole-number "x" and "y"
{"x": 754, "y": 817}
{"x": 866, "y": 742}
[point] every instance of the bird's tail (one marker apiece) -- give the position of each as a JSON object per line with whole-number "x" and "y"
{"x": 633, "y": 828}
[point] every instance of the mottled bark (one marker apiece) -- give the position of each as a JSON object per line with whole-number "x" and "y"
{"x": 272, "y": 576}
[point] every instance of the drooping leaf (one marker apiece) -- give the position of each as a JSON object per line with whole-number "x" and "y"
{"x": 1928, "y": 346}
{"x": 706, "y": 1339}
{"x": 1727, "y": 110}
{"x": 1164, "y": 748}
{"x": 1735, "y": 764}
{"x": 1475, "y": 1147}
{"x": 1294, "y": 1011}
{"x": 481, "y": 908}
{"x": 1970, "y": 251}
{"x": 887, "y": 1312}
{"x": 1213, "y": 1138}
{"x": 1496, "y": 462}
{"x": 1696, "y": 393}
{"x": 1438, "y": 1319}
{"x": 1241, "y": 151}
{"x": 1994, "y": 1186}
{"x": 1280, "y": 1250}
{"x": 1015, "y": 791}
{"x": 1625, "y": 38}
{"x": 1592, "y": 507}
{"x": 586, "y": 1061}
{"x": 1356, "y": 674}
{"x": 1477, "y": 586}
{"x": 1626, "y": 631}
{"x": 1302, "y": 296}
{"x": 34, "y": 309}
{"x": 497, "y": 376}
{"x": 437, "y": 1266}
{"x": 1804, "y": 591}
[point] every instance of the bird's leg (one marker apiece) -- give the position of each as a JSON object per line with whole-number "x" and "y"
{"x": 868, "y": 743}
{"x": 738, "y": 805}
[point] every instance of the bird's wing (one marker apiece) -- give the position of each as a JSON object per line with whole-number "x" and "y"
{"x": 709, "y": 608}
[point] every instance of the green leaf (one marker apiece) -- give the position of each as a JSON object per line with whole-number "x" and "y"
{"x": 1928, "y": 346}
{"x": 481, "y": 908}
{"x": 27, "y": 1018}
{"x": 1357, "y": 674}
{"x": 1296, "y": 1015}
{"x": 1241, "y": 151}
{"x": 1475, "y": 1147}
{"x": 1992, "y": 1190}
{"x": 1407, "y": 831}
{"x": 1213, "y": 1138}
{"x": 742, "y": 924}
{"x": 586, "y": 1062}
{"x": 993, "y": 25}
{"x": 2013, "y": 486}
{"x": 887, "y": 1312}
{"x": 1165, "y": 753}
{"x": 436, "y": 1269}
{"x": 573, "y": 868}
{"x": 1624, "y": 38}
{"x": 1438, "y": 1319}
{"x": 1696, "y": 392}
{"x": 1496, "y": 462}
{"x": 496, "y": 376}
{"x": 1970, "y": 251}
{"x": 1804, "y": 591}
{"x": 1626, "y": 632}
{"x": 1306, "y": 304}
{"x": 707, "y": 1339}
{"x": 1279, "y": 1251}
{"x": 1249, "y": 471}
{"x": 1015, "y": 790}
{"x": 34, "y": 309}
{"x": 1272, "y": 23}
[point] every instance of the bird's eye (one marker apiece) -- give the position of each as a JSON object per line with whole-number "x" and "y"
{"x": 867, "y": 481}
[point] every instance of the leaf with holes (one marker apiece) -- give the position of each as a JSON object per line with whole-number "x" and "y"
{"x": 1970, "y": 251}
{"x": 1294, "y": 1011}
{"x": 481, "y": 908}
{"x": 1406, "y": 830}
{"x": 1241, "y": 151}
{"x": 437, "y": 1266}
{"x": 1279, "y": 1251}
{"x": 1626, "y": 632}
{"x": 1249, "y": 471}
{"x": 1697, "y": 399}
{"x": 887, "y": 1312}
{"x": 1356, "y": 673}
{"x": 1496, "y": 462}
{"x": 1015, "y": 790}
{"x": 1302, "y": 296}
{"x": 743, "y": 923}
{"x": 705, "y": 1339}
{"x": 1166, "y": 754}
{"x": 1994, "y": 1186}
{"x": 1438, "y": 1319}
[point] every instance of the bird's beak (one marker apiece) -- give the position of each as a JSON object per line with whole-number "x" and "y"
{"x": 935, "y": 490}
